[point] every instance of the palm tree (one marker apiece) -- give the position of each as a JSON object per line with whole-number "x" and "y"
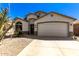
{"x": 3, "y": 20}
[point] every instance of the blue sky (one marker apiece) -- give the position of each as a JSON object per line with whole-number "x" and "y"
{"x": 22, "y": 9}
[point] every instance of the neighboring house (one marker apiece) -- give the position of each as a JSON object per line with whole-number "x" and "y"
{"x": 76, "y": 28}
{"x": 46, "y": 24}
{"x": 7, "y": 25}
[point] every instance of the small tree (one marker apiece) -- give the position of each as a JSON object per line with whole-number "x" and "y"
{"x": 4, "y": 19}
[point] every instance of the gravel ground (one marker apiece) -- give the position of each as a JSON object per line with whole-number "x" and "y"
{"x": 12, "y": 47}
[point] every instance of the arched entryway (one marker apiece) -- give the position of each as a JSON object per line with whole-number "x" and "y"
{"x": 18, "y": 27}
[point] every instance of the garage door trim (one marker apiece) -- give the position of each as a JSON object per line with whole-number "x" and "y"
{"x": 54, "y": 22}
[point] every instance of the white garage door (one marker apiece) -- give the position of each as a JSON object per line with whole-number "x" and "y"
{"x": 53, "y": 29}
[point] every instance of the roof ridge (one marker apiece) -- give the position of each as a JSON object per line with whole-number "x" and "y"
{"x": 63, "y": 15}
{"x": 57, "y": 13}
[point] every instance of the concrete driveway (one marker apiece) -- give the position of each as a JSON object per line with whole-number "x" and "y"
{"x": 51, "y": 48}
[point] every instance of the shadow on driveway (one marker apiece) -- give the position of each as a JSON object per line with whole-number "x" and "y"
{"x": 44, "y": 37}
{"x": 49, "y": 38}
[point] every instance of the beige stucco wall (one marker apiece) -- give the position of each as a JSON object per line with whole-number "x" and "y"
{"x": 41, "y": 14}
{"x": 24, "y": 25}
{"x": 31, "y": 16}
{"x": 55, "y": 17}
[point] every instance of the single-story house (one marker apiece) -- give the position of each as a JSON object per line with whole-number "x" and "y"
{"x": 46, "y": 24}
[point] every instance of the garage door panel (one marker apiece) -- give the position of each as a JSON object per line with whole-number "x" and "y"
{"x": 53, "y": 29}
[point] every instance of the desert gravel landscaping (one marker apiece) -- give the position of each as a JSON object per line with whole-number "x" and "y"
{"x": 11, "y": 47}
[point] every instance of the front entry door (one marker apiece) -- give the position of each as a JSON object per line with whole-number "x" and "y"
{"x": 31, "y": 29}
{"x": 18, "y": 28}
